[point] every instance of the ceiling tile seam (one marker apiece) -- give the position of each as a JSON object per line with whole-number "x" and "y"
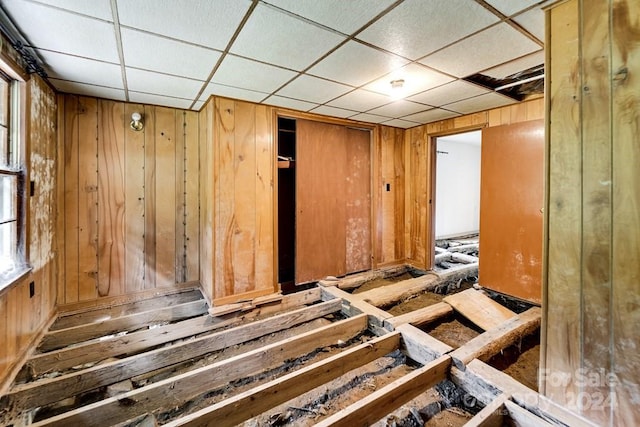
{"x": 116, "y": 28}
{"x": 302, "y": 18}
{"x": 40, "y": 49}
{"x": 233, "y": 38}
{"x": 471, "y": 97}
{"x": 72, "y": 12}
{"x": 500, "y": 65}
{"x": 169, "y": 38}
{"x": 431, "y": 109}
{"x": 164, "y": 73}
{"x": 160, "y": 95}
{"x": 509, "y": 20}
{"x": 84, "y": 83}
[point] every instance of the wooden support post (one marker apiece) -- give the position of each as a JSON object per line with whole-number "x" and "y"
{"x": 244, "y": 406}
{"x": 181, "y": 388}
{"x": 421, "y": 316}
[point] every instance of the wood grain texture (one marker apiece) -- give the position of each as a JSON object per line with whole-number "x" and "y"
{"x": 208, "y": 175}
{"x": 192, "y": 196}
{"x": 418, "y": 243}
{"x": 150, "y": 212}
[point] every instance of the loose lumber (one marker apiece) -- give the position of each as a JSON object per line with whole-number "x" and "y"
{"x": 491, "y": 342}
{"x": 76, "y": 334}
{"x": 443, "y": 256}
{"x": 244, "y": 406}
{"x": 354, "y": 281}
{"x": 378, "y": 404}
{"x": 466, "y": 248}
{"x": 479, "y": 308}
{"x": 422, "y": 316}
{"x": 420, "y": 346}
{"x": 179, "y": 389}
{"x": 463, "y": 258}
{"x": 42, "y": 392}
{"x": 492, "y": 415}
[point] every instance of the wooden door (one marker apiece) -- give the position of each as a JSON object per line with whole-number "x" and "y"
{"x": 333, "y": 208}
{"x": 511, "y": 199}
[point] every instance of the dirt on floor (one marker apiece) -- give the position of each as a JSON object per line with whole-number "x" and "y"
{"x": 521, "y": 361}
{"x": 453, "y": 330}
{"x": 424, "y": 300}
{"x": 377, "y": 283}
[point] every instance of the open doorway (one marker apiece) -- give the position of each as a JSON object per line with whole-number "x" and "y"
{"x": 457, "y": 199}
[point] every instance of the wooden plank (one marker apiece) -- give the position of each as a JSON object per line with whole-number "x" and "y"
{"x": 492, "y": 415}
{"x": 150, "y": 198}
{"x": 246, "y": 405}
{"x": 479, "y": 308}
{"x": 387, "y": 295}
{"x": 138, "y": 341}
{"x": 192, "y": 198}
{"x": 208, "y": 194}
{"x": 375, "y": 406}
{"x": 77, "y": 334}
{"x": 494, "y": 340}
{"x": 522, "y": 418}
{"x": 71, "y": 192}
{"x": 422, "y": 316}
{"x": 420, "y": 346}
{"x": 418, "y": 209}
{"x": 134, "y": 220}
{"x": 60, "y": 200}
{"x": 51, "y": 390}
{"x": 180, "y": 388}
{"x": 353, "y": 281}
{"x": 180, "y": 197}
{"x": 165, "y": 199}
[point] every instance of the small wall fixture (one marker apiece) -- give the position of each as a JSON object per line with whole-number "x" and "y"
{"x": 136, "y": 122}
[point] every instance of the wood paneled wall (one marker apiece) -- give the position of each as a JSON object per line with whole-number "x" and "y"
{"x": 590, "y": 350}
{"x": 130, "y": 200}
{"x": 22, "y": 316}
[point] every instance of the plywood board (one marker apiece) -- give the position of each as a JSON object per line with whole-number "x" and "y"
{"x": 479, "y": 308}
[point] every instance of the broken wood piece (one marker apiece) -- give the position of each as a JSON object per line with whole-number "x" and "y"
{"x": 180, "y": 388}
{"x": 422, "y": 316}
{"x": 492, "y": 415}
{"x": 491, "y": 342}
{"x": 420, "y": 346}
{"x": 378, "y": 404}
{"x": 227, "y": 309}
{"x": 479, "y": 308}
{"x": 251, "y": 403}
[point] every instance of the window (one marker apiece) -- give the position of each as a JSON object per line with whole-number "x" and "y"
{"x": 12, "y": 262}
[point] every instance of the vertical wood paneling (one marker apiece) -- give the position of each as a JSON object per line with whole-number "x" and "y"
{"x": 208, "y": 197}
{"x": 111, "y": 198}
{"x": 265, "y": 169}
{"x": 134, "y": 220}
{"x": 191, "y": 196}
{"x": 71, "y": 190}
{"x": 180, "y": 185}
{"x": 150, "y": 212}
{"x": 418, "y": 206}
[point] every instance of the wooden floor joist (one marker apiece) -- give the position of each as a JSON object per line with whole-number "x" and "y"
{"x": 479, "y": 308}
{"x": 492, "y": 415}
{"x": 420, "y": 346}
{"x": 42, "y": 392}
{"x": 422, "y": 316}
{"x": 179, "y": 389}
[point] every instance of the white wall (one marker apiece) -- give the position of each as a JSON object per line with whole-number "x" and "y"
{"x": 458, "y": 185}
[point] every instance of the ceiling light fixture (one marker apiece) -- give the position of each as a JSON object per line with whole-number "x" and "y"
{"x": 397, "y": 88}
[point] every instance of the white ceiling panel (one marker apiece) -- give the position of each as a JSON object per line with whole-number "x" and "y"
{"x": 313, "y": 89}
{"x": 88, "y": 90}
{"x": 294, "y": 104}
{"x": 162, "y": 84}
{"x": 480, "y": 103}
{"x": 147, "y": 98}
{"x": 399, "y": 108}
{"x": 448, "y": 93}
{"x": 532, "y": 21}
{"x": 53, "y": 29}
{"x": 360, "y": 100}
{"x": 370, "y": 118}
{"x": 515, "y": 66}
{"x": 399, "y": 123}
{"x": 246, "y": 74}
{"x": 417, "y": 27}
{"x": 277, "y": 38}
{"x": 356, "y": 64}
{"x": 83, "y": 70}
{"x": 416, "y": 79}
{"x": 510, "y": 7}
{"x": 155, "y": 53}
{"x": 432, "y": 115}
{"x": 96, "y": 8}
{"x": 208, "y": 23}
{"x": 332, "y": 111}
{"x": 486, "y": 49}
{"x": 231, "y": 92}
{"x": 344, "y": 16}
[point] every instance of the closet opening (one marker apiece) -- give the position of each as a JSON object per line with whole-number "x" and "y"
{"x": 286, "y": 203}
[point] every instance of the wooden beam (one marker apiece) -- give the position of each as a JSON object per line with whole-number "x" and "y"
{"x": 354, "y": 281}
{"x": 465, "y": 249}
{"x": 387, "y": 295}
{"x": 47, "y": 391}
{"x": 491, "y": 342}
{"x": 180, "y": 388}
{"x": 492, "y": 415}
{"x": 522, "y": 418}
{"x": 420, "y": 346}
{"x": 378, "y": 404}
{"x": 463, "y": 258}
{"x": 77, "y": 334}
{"x": 422, "y": 316}
{"x": 479, "y": 308}
{"x": 244, "y": 406}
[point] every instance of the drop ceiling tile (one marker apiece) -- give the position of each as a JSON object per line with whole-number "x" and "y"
{"x": 88, "y": 90}
{"x": 532, "y": 21}
{"x": 54, "y": 29}
{"x": 417, "y": 27}
{"x": 430, "y": 116}
{"x": 399, "y": 108}
{"x": 347, "y": 64}
{"x": 252, "y": 75}
{"x": 344, "y": 16}
{"x": 448, "y": 93}
{"x": 232, "y": 92}
{"x": 162, "y": 84}
{"x": 480, "y": 103}
{"x": 154, "y": 53}
{"x": 416, "y": 79}
{"x": 208, "y": 23}
{"x": 509, "y": 7}
{"x": 198, "y": 105}
{"x": 96, "y": 8}
{"x": 334, "y": 112}
{"x": 481, "y": 52}
{"x": 361, "y": 100}
{"x": 278, "y": 38}
{"x": 66, "y": 67}
{"x": 166, "y": 101}
{"x": 294, "y": 104}
{"x": 515, "y": 66}
{"x": 313, "y": 89}
{"x": 369, "y": 118}
{"x": 398, "y": 123}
